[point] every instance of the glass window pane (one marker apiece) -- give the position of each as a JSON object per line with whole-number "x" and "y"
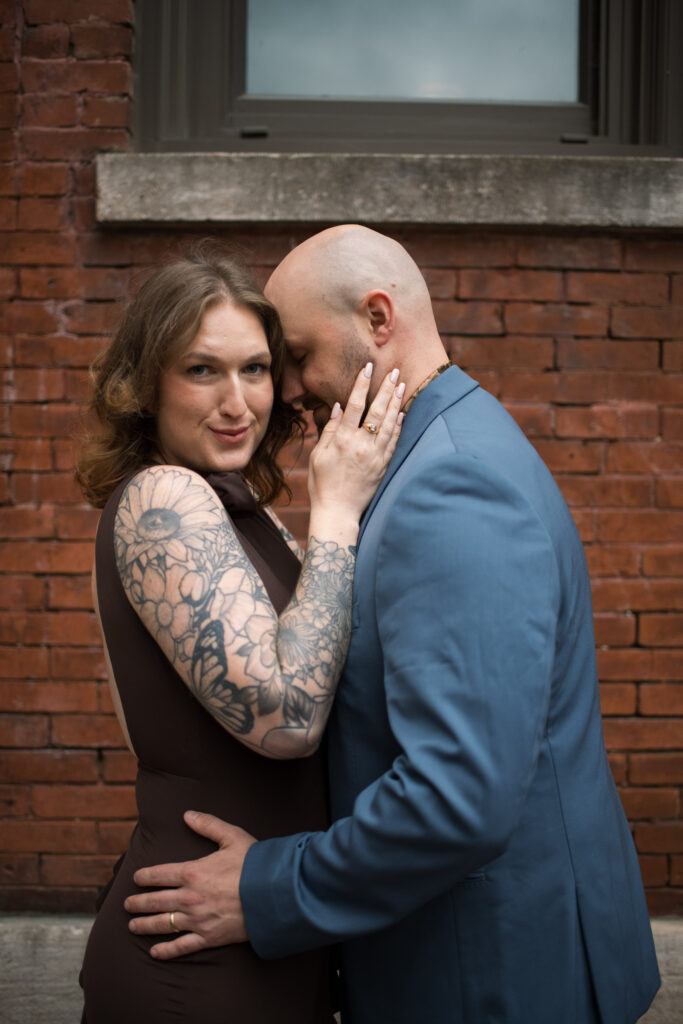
{"x": 469, "y": 50}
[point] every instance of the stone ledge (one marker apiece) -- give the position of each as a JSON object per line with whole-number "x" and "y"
{"x": 445, "y": 190}
{"x": 41, "y": 957}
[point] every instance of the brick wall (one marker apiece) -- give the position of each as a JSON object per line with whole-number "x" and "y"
{"x": 581, "y": 335}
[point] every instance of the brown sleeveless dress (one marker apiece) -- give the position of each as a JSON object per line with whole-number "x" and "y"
{"x": 187, "y": 761}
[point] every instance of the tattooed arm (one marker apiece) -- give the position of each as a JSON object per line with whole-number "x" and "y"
{"x": 269, "y": 682}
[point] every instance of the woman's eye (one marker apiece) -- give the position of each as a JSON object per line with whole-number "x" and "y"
{"x": 200, "y": 370}
{"x": 256, "y": 369}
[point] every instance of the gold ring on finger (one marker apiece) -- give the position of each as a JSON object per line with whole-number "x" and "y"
{"x": 171, "y": 917}
{"x": 371, "y": 428}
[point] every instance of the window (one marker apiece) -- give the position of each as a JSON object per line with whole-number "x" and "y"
{"x": 577, "y": 77}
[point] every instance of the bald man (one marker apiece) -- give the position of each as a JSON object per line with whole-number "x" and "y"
{"x": 479, "y": 868}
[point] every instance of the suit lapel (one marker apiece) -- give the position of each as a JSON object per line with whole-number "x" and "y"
{"x": 443, "y": 392}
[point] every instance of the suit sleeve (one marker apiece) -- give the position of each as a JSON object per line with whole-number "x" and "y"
{"x": 467, "y": 602}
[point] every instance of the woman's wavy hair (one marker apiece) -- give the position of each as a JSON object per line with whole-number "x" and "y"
{"x": 159, "y": 325}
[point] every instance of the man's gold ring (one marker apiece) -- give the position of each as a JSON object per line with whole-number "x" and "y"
{"x": 371, "y": 428}
{"x": 172, "y": 920}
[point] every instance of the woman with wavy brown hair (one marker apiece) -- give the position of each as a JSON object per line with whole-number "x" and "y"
{"x": 223, "y": 648}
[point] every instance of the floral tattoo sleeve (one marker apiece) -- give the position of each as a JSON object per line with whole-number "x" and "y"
{"x": 269, "y": 681}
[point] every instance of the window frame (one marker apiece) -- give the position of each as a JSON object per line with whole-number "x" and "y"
{"x": 630, "y": 94}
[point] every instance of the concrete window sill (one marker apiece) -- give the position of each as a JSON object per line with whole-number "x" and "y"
{"x": 509, "y": 191}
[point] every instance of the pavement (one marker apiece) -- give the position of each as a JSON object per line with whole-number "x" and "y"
{"x": 40, "y": 957}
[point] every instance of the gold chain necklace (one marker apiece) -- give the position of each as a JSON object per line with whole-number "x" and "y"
{"x": 428, "y": 380}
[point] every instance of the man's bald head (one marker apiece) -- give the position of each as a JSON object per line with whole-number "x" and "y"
{"x": 338, "y": 267}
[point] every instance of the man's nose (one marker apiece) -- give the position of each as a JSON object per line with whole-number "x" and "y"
{"x": 232, "y": 402}
{"x": 292, "y": 385}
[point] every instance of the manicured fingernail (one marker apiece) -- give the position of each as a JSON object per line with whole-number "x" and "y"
{"x": 336, "y": 409}
{"x": 368, "y": 370}
{"x": 401, "y": 390}
{"x": 393, "y": 376}
{"x": 132, "y": 926}
{"x": 400, "y": 418}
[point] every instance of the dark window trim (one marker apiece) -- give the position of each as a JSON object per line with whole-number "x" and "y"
{"x": 190, "y": 68}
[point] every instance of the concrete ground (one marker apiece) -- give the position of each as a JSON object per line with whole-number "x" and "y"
{"x": 40, "y": 957}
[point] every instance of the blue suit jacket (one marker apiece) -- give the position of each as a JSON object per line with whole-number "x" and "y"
{"x": 480, "y": 868}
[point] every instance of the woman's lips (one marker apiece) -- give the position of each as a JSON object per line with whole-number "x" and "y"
{"x": 228, "y": 437}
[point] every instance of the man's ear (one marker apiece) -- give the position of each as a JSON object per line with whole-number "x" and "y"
{"x": 378, "y": 309}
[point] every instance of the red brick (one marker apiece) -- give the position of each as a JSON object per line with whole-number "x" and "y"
{"x": 667, "y": 665}
{"x": 59, "y": 488}
{"x": 510, "y": 284}
{"x": 570, "y": 456}
{"x": 659, "y": 838}
{"x": 468, "y": 317}
{"x": 86, "y": 731}
{"x": 672, "y": 424}
{"x": 581, "y": 388}
{"x": 79, "y": 143}
{"x": 50, "y": 419}
{"x": 75, "y": 870}
{"x": 661, "y": 631}
{"x": 8, "y": 283}
{"x": 14, "y": 803}
{"x": 551, "y": 318}
{"x": 22, "y": 592}
{"x": 619, "y": 767}
{"x": 26, "y": 522}
{"x": 76, "y": 523}
{"x": 653, "y": 769}
{"x": 67, "y": 283}
{"x": 46, "y": 556}
{"x": 628, "y": 420}
{"x": 637, "y": 595}
{"x": 534, "y": 419}
{"x": 58, "y": 351}
{"x": 615, "y": 630}
{"x": 644, "y": 457}
{"x": 18, "y": 316}
{"x": 641, "y": 804}
{"x": 48, "y": 766}
{"x": 625, "y": 664}
{"x": 579, "y": 253}
{"x": 643, "y": 733}
{"x": 24, "y": 730}
{"x": 44, "y": 180}
{"x": 8, "y": 214}
{"x": 84, "y": 213}
{"x": 663, "y": 561}
{"x": 62, "y": 628}
{"x": 18, "y": 869}
{"x": 646, "y": 526}
{"x": 506, "y": 352}
{"x": 49, "y": 836}
{"x": 23, "y": 663}
{"x": 91, "y": 42}
{"x": 41, "y": 214}
{"x": 661, "y": 699}
{"x": 653, "y": 869}
{"x": 45, "y": 42}
{"x": 76, "y": 663}
{"x": 589, "y": 354}
{"x": 37, "y": 386}
{"x": 677, "y": 871}
{"x": 69, "y": 592}
{"x": 92, "y": 317}
{"x": 9, "y": 110}
{"x": 584, "y": 520}
{"x": 76, "y": 11}
{"x": 606, "y": 490}
{"x": 50, "y": 696}
{"x": 84, "y": 801}
{"x": 663, "y": 902}
{"x": 6, "y": 40}
{"x": 38, "y": 247}
{"x": 647, "y": 322}
{"x": 114, "y": 836}
{"x": 40, "y": 110}
{"x": 9, "y": 77}
{"x": 653, "y": 255}
{"x": 669, "y": 492}
{"x": 441, "y": 283}
{"x": 55, "y": 76}
{"x": 650, "y": 289}
{"x": 618, "y": 698}
{"x": 612, "y": 560}
{"x": 672, "y": 353}
{"x": 480, "y": 249}
{"x": 119, "y": 766}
